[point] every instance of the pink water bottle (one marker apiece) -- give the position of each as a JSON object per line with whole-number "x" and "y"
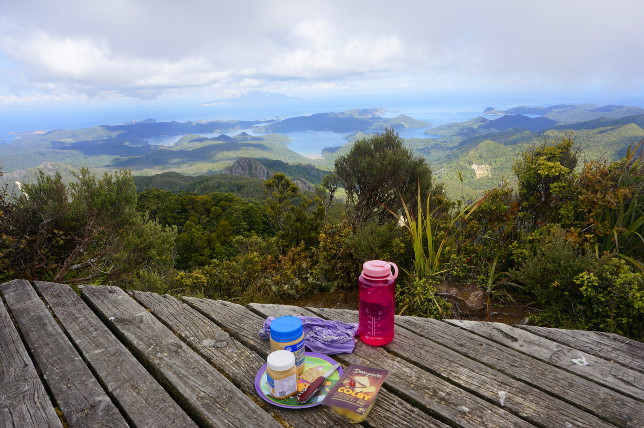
{"x": 376, "y": 306}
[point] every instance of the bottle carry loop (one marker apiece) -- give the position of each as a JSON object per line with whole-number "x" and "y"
{"x": 395, "y": 269}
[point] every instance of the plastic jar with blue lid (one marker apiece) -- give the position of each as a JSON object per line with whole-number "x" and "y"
{"x": 287, "y": 333}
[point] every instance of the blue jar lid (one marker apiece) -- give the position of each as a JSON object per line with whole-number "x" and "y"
{"x": 286, "y": 329}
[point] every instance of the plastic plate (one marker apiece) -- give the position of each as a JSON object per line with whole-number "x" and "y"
{"x": 311, "y": 359}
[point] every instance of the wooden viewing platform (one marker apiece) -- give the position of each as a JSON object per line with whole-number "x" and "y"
{"x": 106, "y": 358}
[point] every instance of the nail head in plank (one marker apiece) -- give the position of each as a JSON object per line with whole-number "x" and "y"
{"x": 597, "y": 369}
{"x": 626, "y": 352}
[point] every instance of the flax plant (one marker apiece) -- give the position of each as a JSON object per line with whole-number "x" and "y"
{"x": 430, "y": 246}
{"x": 626, "y": 217}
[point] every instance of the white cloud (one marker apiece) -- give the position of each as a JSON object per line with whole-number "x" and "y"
{"x": 322, "y": 51}
{"x": 145, "y": 47}
{"x": 89, "y": 64}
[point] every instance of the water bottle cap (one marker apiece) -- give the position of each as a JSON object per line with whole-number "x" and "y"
{"x": 280, "y": 360}
{"x": 286, "y": 329}
{"x": 379, "y": 269}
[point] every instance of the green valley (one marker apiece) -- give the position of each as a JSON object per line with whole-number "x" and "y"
{"x": 469, "y": 157}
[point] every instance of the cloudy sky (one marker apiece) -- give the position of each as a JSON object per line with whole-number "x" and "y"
{"x": 57, "y": 51}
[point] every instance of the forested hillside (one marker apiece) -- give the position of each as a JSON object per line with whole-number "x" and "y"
{"x": 468, "y": 157}
{"x": 566, "y": 244}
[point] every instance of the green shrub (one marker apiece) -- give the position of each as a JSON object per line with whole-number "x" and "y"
{"x": 343, "y": 250}
{"x": 83, "y": 231}
{"x": 578, "y": 290}
{"x": 549, "y": 269}
{"x": 291, "y": 275}
{"x": 335, "y": 258}
{"x": 612, "y": 299}
{"x": 238, "y": 278}
{"x": 419, "y": 298}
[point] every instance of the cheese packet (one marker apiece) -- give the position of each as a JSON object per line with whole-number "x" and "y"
{"x": 355, "y": 393}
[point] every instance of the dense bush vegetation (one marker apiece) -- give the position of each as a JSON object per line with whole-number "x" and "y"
{"x": 569, "y": 239}
{"x": 86, "y": 231}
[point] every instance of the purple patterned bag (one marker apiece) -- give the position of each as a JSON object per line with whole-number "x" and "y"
{"x": 322, "y": 336}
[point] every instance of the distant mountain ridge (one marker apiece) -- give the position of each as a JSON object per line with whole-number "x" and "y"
{"x": 463, "y": 150}
{"x": 350, "y": 121}
{"x": 519, "y": 121}
{"x": 571, "y": 113}
{"x": 481, "y": 150}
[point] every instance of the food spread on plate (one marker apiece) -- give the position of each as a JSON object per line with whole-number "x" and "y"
{"x": 316, "y": 365}
{"x": 307, "y": 379}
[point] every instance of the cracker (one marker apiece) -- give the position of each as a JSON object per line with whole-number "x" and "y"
{"x": 311, "y": 374}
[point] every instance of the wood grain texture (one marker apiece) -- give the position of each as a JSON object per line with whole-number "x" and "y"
{"x": 23, "y": 400}
{"x": 416, "y": 385}
{"x": 621, "y": 350}
{"x": 144, "y": 401}
{"x": 528, "y": 402}
{"x": 204, "y": 354}
{"x": 228, "y": 355}
{"x": 75, "y": 390}
{"x": 605, "y": 403}
{"x": 208, "y": 396}
{"x": 604, "y": 372}
{"x": 389, "y": 411}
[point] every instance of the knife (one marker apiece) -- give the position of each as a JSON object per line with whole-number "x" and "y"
{"x": 315, "y": 386}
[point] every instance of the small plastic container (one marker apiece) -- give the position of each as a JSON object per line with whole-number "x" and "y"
{"x": 281, "y": 373}
{"x": 287, "y": 333}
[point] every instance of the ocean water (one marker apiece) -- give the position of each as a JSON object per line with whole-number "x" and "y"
{"x": 308, "y": 143}
{"x": 436, "y": 109}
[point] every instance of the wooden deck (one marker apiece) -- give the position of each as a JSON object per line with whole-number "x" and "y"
{"x": 106, "y": 358}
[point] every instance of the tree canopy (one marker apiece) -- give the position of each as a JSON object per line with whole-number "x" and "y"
{"x": 377, "y": 172}
{"x": 84, "y": 231}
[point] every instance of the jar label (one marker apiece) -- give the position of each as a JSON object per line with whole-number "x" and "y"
{"x": 298, "y": 350}
{"x": 282, "y": 387}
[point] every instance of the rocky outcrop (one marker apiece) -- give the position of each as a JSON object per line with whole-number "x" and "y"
{"x": 303, "y": 184}
{"x": 466, "y": 300}
{"x": 249, "y": 167}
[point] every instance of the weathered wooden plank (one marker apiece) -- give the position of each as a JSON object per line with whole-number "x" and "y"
{"x": 143, "y": 400}
{"x": 526, "y": 401}
{"x": 607, "y": 373}
{"x": 75, "y": 389}
{"x": 23, "y": 400}
{"x": 413, "y": 383}
{"x": 228, "y": 355}
{"x": 206, "y": 394}
{"x": 243, "y": 324}
{"x": 621, "y": 350}
{"x": 602, "y": 402}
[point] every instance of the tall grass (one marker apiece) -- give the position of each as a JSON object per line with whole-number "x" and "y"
{"x": 433, "y": 242}
{"x": 626, "y": 217}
